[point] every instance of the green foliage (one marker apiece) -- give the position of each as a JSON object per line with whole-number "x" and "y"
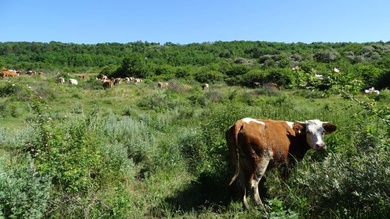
{"x": 16, "y": 92}
{"x": 253, "y": 76}
{"x": 77, "y": 181}
{"x": 353, "y": 187}
{"x": 24, "y": 192}
{"x": 283, "y": 77}
{"x": 326, "y": 56}
{"x": 277, "y": 210}
{"x": 209, "y": 76}
{"x": 134, "y": 66}
{"x": 383, "y": 79}
{"x": 161, "y": 102}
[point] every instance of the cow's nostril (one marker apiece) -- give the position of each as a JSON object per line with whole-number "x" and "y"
{"x": 321, "y": 146}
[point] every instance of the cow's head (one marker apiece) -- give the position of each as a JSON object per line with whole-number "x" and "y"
{"x": 315, "y": 131}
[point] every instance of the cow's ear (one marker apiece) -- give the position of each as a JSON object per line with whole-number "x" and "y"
{"x": 299, "y": 127}
{"x": 329, "y": 127}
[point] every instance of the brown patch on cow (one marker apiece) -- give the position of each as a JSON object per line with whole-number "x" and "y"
{"x": 8, "y": 73}
{"x": 162, "y": 85}
{"x": 108, "y": 83}
{"x": 272, "y": 84}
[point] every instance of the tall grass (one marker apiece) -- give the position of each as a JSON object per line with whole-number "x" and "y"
{"x": 142, "y": 152}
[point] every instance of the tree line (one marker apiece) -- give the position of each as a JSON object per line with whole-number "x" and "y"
{"x": 234, "y": 62}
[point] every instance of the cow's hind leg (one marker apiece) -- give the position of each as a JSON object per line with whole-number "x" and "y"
{"x": 242, "y": 184}
{"x": 260, "y": 170}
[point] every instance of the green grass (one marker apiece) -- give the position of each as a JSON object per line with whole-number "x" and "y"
{"x": 136, "y": 151}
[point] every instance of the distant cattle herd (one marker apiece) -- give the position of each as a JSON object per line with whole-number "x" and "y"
{"x": 110, "y": 82}
{"x": 104, "y": 79}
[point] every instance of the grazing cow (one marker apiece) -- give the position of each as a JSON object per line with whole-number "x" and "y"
{"x": 162, "y": 85}
{"x": 205, "y": 86}
{"x": 102, "y": 77}
{"x": 275, "y": 85}
{"x": 371, "y": 91}
{"x": 61, "y": 80}
{"x": 255, "y": 145}
{"x": 108, "y": 83}
{"x": 31, "y": 72}
{"x": 117, "y": 80}
{"x": 8, "y": 73}
{"x": 73, "y": 81}
{"x": 336, "y": 70}
{"x": 256, "y": 84}
{"x": 137, "y": 80}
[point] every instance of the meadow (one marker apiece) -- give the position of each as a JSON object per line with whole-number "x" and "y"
{"x": 137, "y": 151}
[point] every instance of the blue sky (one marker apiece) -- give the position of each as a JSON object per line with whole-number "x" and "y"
{"x": 189, "y": 21}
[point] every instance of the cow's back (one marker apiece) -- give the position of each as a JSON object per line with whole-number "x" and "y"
{"x": 265, "y": 136}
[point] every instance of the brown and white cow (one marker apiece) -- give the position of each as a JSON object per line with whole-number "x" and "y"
{"x": 255, "y": 145}
{"x": 137, "y": 80}
{"x": 162, "y": 85}
{"x": 205, "y": 86}
{"x": 117, "y": 80}
{"x": 272, "y": 84}
{"x": 5, "y": 72}
{"x": 108, "y": 83}
{"x": 61, "y": 80}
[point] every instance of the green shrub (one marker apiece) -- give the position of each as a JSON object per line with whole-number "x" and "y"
{"x": 210, "y": 76}
{"x": 80, "y": 163}
{"x": 92, "y": 84}
{"x": 355, "y": 187}
{"x": 24, "y": 192}
{"x": 16, "y": 92}
{"x": 312, "y": 94}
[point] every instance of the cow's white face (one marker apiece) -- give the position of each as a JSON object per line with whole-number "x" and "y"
{"x": 315, "y": 132}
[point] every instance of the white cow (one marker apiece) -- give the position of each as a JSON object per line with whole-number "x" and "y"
{"x": 371, "y": 91}
{"x": 73, "y": 81}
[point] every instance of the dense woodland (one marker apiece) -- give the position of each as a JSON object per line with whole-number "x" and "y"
{"x": 139, "y": 151}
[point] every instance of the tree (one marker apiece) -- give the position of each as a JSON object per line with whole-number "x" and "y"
{"x": 326, "y": 56}
{"x": 134, "y": 65}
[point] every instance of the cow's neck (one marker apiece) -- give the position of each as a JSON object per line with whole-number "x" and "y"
{"x": 298, "y": 148}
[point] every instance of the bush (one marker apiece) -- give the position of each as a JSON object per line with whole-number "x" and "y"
{"x": 24, "y": 193}
{"x": 283, "y": 77}
{"x": 16, "y": 92}
{"x": 80, "y": 163}
{"x": 210, "y": 76}
{"x": 355, "y": 187}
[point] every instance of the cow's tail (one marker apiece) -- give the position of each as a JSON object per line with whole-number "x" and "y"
{"x": 232, "y": 135}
